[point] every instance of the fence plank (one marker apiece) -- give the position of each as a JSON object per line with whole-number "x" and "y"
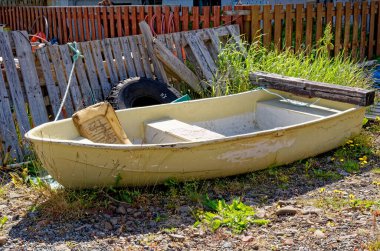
{"x": 64, "y": 27}
{"x": 88, "y": 96}
{"x": 8, "y": 133}
{"x": 347, "y": 27}
{"x": 91, "y": 70}
{"x": 288, "y": 26}
{"x": 134, "y": 20}
{"x": 98, "y": 15}
{"x": 118, "y": 58}
{"x": 49, "y": 80}
{"x": 195, "y": 17}
{"x": 107, "y": 51}
{"x": 338, "y": 28}
{"x": 128, "y": 58}
{"x": 136, "y": 56}
{"x": 96, "y": 52}
{"x": 185, "y": 18}
{"x": 76, "y": 24}
{"x": 118, "y": 22}
{"x": 60, "y": 75}
{"x": 70, "y": 26}
{"x": 309, "y": 27}
{"x": 105, "y": 21}
{"x": 15, "y": 86}
{"x": 74, "y": 87}
{"x": 355, "y": 31}
{"x": 31, "y": 81}
{"x": 277, "y": 26}
{"x": 363, "y": 31}
{"x": 144, "y": 57}
{"x": 371, "y": 30}
{"x": 267, "y": 26}
{"x": 299, "y": 26}
{"x": 91, "y": 14}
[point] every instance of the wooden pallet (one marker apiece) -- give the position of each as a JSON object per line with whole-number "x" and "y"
{"x": 31, "y": 90}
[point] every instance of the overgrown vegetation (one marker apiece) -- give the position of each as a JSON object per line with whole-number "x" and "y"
{"x": 235, "y": 66}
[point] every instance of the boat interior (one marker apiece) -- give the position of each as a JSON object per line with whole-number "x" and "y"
{"x": 209, "y": 119}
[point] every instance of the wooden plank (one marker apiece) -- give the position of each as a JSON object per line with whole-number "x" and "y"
{"x": 235, "y": 33}
{"x": 111, "y": 11}
{"x": 118, "y": 22}
{"x": 136, "y": 56}
{"x": 76, "y": 95}
{"x": 126, "y": 20}
{"x": 91, "y": 72}
{"x": 60, "y": 75}
{"x": 70, "y": 25}
{"x": 86, "y": 24}
{"x": 363, "y": 30}
{"x": 75, "y": 25}
{"x": 347, "y": 27}
{"x": 128, "y": 57}
{"x": 338, "y": 28}
{"x": 288, "y": 25}
{"x": 371, "y": 30}
{"x": 312, "y": 89}
{"x": 299, "y": 26}
{"x": 199, "y": 56}
{"x": 118, "y": 58}
{"x": 215, "y": 16}
{"x": 83, "y": 83}
{"x": 205, "y": 19}
{"x": 215, "y": 41}
{"x": 176, "y": 19}
{"x": 144, "y": 57}
{"x": 97, "y": 53}
{"x": 185, "y": 18}
{"x": 80, "y": 25}
{"x": 355, "y": 27}
{"x": 91, "y": 13}
{"x": 329, "y": 13}
{"x": 148, "y": 38}
{"x": 107, "y": 51}
{"x": 195, "y": 17}
{"x": 277, "y": 26}
{"x": 15, "y": 86}
{"x": 49, "y": 80}
{"x": 170, "y": 43}
{"x": 267, "y": 26}
{"x": 176, "y": 66}
{"x": 64, "y": 27}
{"x": 134, "y": 19}
{"x": 309, "y": 27}
{"x": 166, "y": 11}
{"x": 98, "y": 16}
{"x": 177, "y": 41}
{"x": 8, "y": 133}
{"x": 31, "y": 81}
{"x": 54, "y": 23}
{"x": 105, "y": 21}
{"x": 158, "y": 19}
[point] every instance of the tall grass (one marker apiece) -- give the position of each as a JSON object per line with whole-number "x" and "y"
{"x": 234, "y": 66}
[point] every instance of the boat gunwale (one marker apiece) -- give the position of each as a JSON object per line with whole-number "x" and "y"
{"x": 180, "y": 145}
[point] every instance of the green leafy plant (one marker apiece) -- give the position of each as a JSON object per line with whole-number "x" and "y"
{"x": 237, "y": 216}
{"x": 3, "y": 220}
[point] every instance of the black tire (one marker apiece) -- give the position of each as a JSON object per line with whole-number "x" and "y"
{"x": 137, "y": 92}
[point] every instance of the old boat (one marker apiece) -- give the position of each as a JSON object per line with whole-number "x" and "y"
{"x": 200, "y": 139}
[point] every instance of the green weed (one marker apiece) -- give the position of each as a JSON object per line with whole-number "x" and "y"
{"x": 237, "y": 216}
{"x": 3, "y": 220}
{"x": 326, "y": 175}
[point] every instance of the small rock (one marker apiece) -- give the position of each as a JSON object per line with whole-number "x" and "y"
{"x": 247, "y": 238}
{"x": 288, "y": 210}
{"x": 62, "y": 247}
{"x": 227, "y": 244}
{"x": 184, "y": 209}
{"x": 121, "y": 210}
{"x": 260, "y": 213}
{"x": 288, "y": 242}
{"x": 3, "y": 240}
{"x": 311, "y": 210}
{"x": 137, "y": 214}
{"x": 319, "y": 234}
{"x": 108, "y": 226}
{"x": 177, "y": 237}
{"x": 114, "y": 221}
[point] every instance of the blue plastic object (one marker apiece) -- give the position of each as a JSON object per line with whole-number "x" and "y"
{"x": 182, "y": 99}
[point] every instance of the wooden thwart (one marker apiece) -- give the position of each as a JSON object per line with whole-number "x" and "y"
{"x": 302, "y": 87}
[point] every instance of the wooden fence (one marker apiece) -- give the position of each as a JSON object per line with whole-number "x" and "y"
{"x": 32, "y": 84}
{"x": 356, "y": 27}
{"x": 23, "y": 2}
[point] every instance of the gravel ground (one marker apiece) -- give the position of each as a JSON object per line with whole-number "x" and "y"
{"x": 327, "y": 209}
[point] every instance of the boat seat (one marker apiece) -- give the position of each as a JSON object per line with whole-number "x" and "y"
{"x": 174, "y": 131}
{"x": 279, "y": 113}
